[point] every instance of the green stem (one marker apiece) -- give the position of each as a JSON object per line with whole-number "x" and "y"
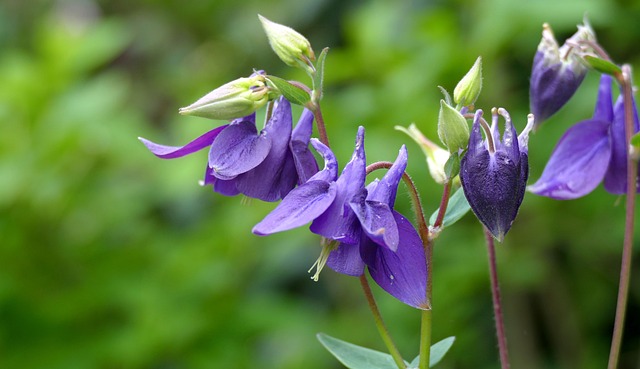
{"x": 425, "y": 340}
{"x": 382, "y": 328}
{"x": 497, "y": 305}
{"x": 427, "y": 243}
{"x": 625, "y": 268}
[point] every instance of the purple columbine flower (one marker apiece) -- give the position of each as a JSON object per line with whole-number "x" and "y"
{"x": 494, "y": 172}
{"x": 358, "y": 224}
{"x": 557, "y": 72}
{"x": 265, "y": 165}
{"x": 590, "y": 151}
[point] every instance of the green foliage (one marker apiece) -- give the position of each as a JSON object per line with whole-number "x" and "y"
{"x": 293, "y": 93}
{"x": 456, "y": 209}
{"x": 438, "y": 350}
{"x": 602, "y": 65}
{"x": 358, "y": 357}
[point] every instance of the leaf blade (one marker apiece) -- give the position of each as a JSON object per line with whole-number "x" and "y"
{"x": 354, "y": 356}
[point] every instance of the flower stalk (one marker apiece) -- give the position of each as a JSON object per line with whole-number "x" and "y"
{"x": 632, "y": 174}
{"x": 423, "y": 230}
{"x": 497, "y": 304}
{"x": 322, "y": 130}
{"x": 382, "y": 328}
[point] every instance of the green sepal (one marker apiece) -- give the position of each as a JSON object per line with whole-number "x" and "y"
{"x": 318, "y": 78}
{"x": 456, "y": 209}
{"x": 446, "y": 95}
{"x": 291, "y": 92}
{"x": 452, "y": 166}
{"x": 602, "y": 65}
{"x": 437, "y": 352}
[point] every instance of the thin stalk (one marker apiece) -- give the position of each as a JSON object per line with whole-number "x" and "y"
{"x": 423, "y": 228}
{"x": 497, "y": 305}
{"x": 382, "y": 328}
{"x": 444, "y": 202}
{"x": 425, "y": 340}
{"x": 427, "y": 243}
{"x": 625, "y": 268}
{"x": 322, "y": 130}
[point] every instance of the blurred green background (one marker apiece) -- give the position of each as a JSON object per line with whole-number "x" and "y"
{"x": 112, "y": 258}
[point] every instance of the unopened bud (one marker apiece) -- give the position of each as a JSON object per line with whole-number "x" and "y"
{"x": 453, "y": 129}
{"x": 290, "y": 46}
{"x": 468, "y": 89}
{"x": 232, "y": 100}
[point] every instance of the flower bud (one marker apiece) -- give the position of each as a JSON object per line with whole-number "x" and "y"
{"x": 494, "y": 172}
{"x": 557, "y": 72}
{"x": 232, "y": 100}
{"x": 290, "y": 46}
{"x": 436, "y": 155}
{"x": 452, "y": 128}
{"x": 468, "y": 89}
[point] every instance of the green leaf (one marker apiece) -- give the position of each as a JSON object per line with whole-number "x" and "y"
{"x": 437, "y": 352}
{"x": 291, "y": 92}
{"x": 356, "y": 357}
{"x": 602, "y": 65}
{"x": 319, "y": 76}
{"x": 457, "y": 208}
{"x": 452, "y": 166}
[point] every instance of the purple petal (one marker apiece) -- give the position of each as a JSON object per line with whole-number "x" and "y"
{"x": 238, "y": 149}
{"x": 330, "y": 171}
{"x": 604, "y": 103}
{"x": 224, "y": 187}
{"x": 385, "y": 191}
{"x": 376, "y": 219}
{"x": 578, "y": 163}
{"x": 403, "y": 273}
{"x": 552, "y": 85}
{"x": 171, "y": 152}
{"x": 306, "y": 164}
{"x": 276, "y": 175}
{"x": 339, "y": 222}
{"x": 346, "y": 260}
{"x": 615, "y": 180}
{"x": 509, "y": 141}
{"x": 299, "y": 207}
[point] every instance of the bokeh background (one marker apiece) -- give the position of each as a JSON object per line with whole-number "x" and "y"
{"x": 112, "y": 258}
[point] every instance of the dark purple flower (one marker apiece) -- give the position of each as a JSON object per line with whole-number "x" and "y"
{"x": 494, "y": 172}
{"x": 590, "y": 151}
{"x": 358, "y": 224}
{"x": 557, "y": 72}
{"x": 265, "y": 165}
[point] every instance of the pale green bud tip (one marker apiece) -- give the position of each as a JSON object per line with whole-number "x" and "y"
{"x": 232, "y": 100}
{"x": 436, "y": 156}
{"x": 290, "y": 46}
{"x": 453, "y": 129}
{"x": 468, "y": 89}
